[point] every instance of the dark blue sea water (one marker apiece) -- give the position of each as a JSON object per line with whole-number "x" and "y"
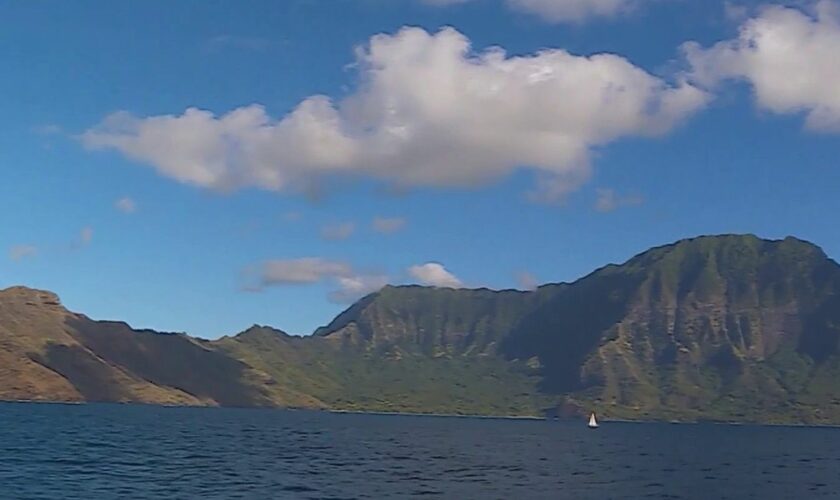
{"x": 138, "y": 452}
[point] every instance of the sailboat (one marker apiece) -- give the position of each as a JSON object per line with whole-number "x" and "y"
{"x": 593, "y": 424}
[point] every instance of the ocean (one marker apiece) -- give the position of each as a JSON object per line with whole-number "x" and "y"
{"x": 53, "y": 451}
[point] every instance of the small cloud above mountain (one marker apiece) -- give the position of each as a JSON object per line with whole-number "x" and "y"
{"x": 388, "y": 225}
{"x": 337, "y": 232}
{"x": 126, "y": 205}
{"x": 608, "y": 200}
{"x": 434, "y": 274}
{"x": 20, "y": 252}
{"x": 526, "y": 281}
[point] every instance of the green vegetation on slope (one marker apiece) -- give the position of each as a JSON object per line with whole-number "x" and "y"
{"x": 719, "y": 327}
{"x": 729, "y": 327}
{"x": 341, "y": 377}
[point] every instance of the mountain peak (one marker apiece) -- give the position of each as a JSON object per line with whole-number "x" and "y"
{"x": 256, "y": 330}
{"x": 724, "y": 326}
{"x": 31, "y": 296}
{"x": 728, "y": 247}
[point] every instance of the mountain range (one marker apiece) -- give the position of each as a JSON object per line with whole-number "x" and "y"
{"x": 729, "y": 327}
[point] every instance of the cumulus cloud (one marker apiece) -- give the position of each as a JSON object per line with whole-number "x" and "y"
{"x": 388, "y": 225}
{"x": 126, "y": 205}
{"x": 607, "y": 200}
{"x": 20, "y": 252}
{"x": 787, "y": 55}
{"x": 434, "y": 274}
{"x": 428, "y": 111}
{"x": 336, "y": 232}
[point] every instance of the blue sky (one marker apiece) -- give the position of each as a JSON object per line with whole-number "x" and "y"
{"x": 417, "y": 168}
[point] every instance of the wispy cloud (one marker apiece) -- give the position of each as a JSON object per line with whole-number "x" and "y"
{"x": 48, "y": 129}
{"x": 388, "y": 225}
{"x": 291, "y": 216}
{"x": 126, "y": 205}
{"x": 607, "y": 200}
{"x": 49, "y": 134}
{"x": 349, "y": 284}
{"x": 86, "y": 235}
{"x": 337, "y": 232}
{"x": 563, "y": 11}
{"x": 83, "y": 238}
{"x": 20, "y": 252}
{"x": 302, "y": 271}
{"x": 734, "y": 12}
{"x": 526, "y": 281}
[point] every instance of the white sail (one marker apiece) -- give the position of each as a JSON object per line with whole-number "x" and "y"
{"x": 592, "y": 422}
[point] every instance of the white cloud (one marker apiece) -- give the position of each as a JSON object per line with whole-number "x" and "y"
{"x": 608, "y": 200}
{"x": 434, "y": 274}
{"x": 353, "y": 288}
{"x": 20, "y": 252}
{"x": 427, "y": 112}
{"x": 336, "y": 232}
{"x": 126, "y": 205}
{"x": 526, "y": 281}
{"x": 388, "y": 225}
{"x": 787, "y": 55}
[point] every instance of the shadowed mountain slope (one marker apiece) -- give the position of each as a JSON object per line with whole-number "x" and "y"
{"x": 726, "y": 327}
{"x": 48, "y": 353}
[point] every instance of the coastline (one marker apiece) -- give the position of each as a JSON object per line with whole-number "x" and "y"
{"x": 532, "y": 418}
{"x": 443, "y": 415}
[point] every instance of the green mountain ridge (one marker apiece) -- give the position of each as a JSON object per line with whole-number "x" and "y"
{"x": 729, "y": 327}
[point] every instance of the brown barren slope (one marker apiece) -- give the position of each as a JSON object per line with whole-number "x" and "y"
{"x": 48, "y": 353}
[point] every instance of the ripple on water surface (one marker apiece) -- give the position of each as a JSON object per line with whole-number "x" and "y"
{"x": 139, "y": 452}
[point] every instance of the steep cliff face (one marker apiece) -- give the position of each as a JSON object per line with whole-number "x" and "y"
{"x": 356, "y": 374}
{"x": 718, "y": 327}
{"x": 434, "y": 321}
{"x": 721, "y": 327}
{"x": 48, "y": 353}
{"x": 29, "y": 321}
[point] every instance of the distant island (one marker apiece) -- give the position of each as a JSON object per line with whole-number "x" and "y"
{"x": 730, "y": 328}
